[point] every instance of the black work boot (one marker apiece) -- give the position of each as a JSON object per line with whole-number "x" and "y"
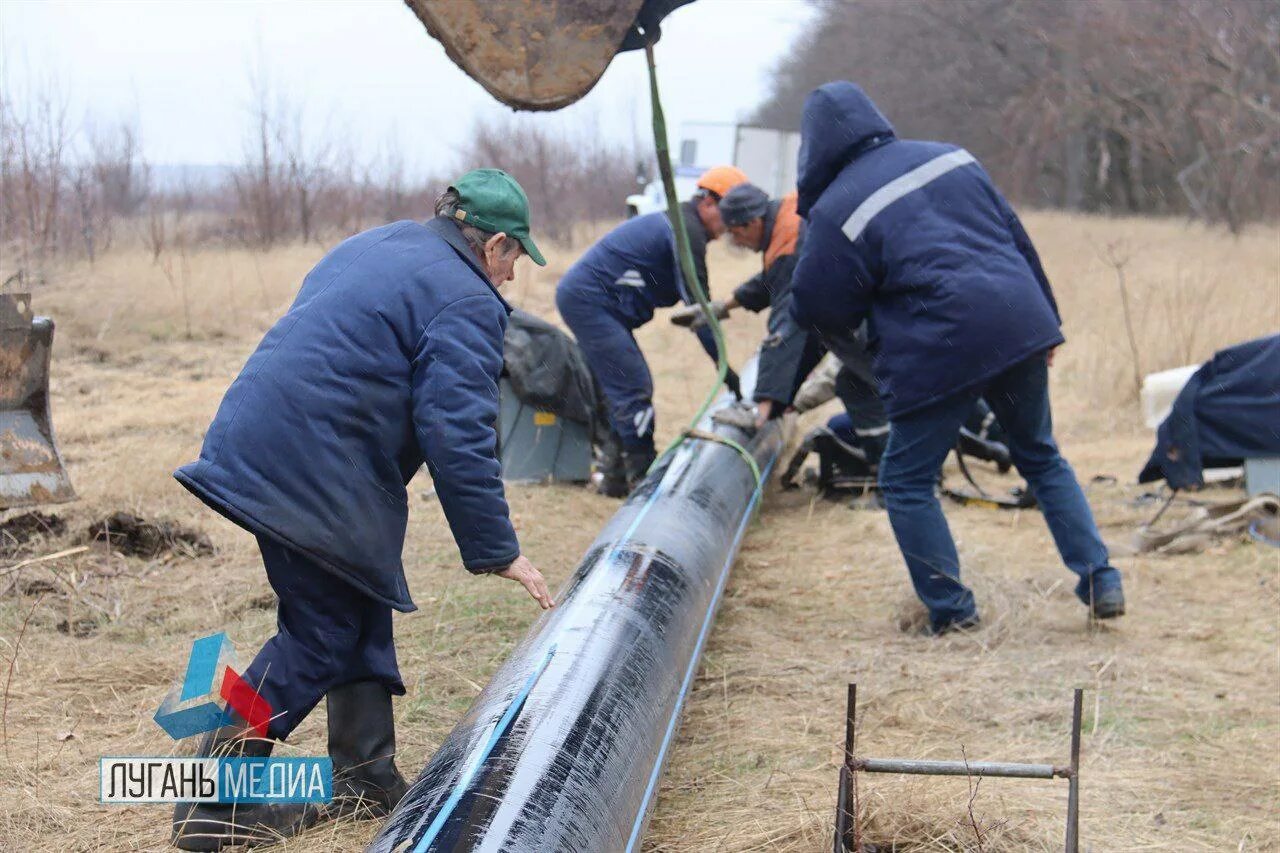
{"x": 963, "y": 625}
{"x": 613, "y": 469}
{"x": 1107, "y": 603}
{"x": 985, "y": 449}
{"x": 362, "y": 744}
{"x": 212, "y": 826}
{"x": 638, "y": 464}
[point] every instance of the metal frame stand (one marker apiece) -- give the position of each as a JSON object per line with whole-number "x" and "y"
{"x": 848, "y": 838}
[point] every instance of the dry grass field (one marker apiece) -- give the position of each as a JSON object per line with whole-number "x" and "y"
{"x": 1182, "y": 723}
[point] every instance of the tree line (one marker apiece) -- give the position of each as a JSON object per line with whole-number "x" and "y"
{"x": 1167, "y": 107}
{"x": 74, "y": 188}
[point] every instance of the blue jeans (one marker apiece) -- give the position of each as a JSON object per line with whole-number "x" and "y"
{"x": 918, "y": 445}
{"x": 327, "y": 634}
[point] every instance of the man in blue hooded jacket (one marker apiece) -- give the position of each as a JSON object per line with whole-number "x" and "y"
{"x": 613, "y": 289}
{"x": 915, "y": 236}
{"x": 388, "y": 358}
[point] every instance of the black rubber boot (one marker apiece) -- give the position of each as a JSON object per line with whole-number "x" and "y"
{"x": 362, "y": 744}
{"x": 213, "y": 826}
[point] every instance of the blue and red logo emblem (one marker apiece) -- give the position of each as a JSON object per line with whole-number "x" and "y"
{"x": 191, "y": 708}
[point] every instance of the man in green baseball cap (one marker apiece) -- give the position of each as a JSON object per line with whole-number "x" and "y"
{"x": 389, "y": 358}
{"x": 491, "y": 200}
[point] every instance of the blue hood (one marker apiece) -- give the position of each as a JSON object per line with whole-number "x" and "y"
{"x": 840, "y": 122}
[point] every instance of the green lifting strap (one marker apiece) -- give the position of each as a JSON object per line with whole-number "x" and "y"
{"x": 694, "y": 284}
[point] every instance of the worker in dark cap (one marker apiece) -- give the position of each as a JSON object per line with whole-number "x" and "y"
{"x": 613, "y": 290}
{"x": 388, "y": 358}
{"x": 914, "y": 237}
{"x": 789, "y": 352}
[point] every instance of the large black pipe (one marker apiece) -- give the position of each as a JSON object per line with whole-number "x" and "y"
{"x": 563, "y": 749}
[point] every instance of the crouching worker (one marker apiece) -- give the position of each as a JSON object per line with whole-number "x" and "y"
{"x": 789, "y": 352}
{"x": 388, "y": 358}
{"x": 851, "y": 443}
{"x": 613, "y": 290}
{"x": 915, "y": 236}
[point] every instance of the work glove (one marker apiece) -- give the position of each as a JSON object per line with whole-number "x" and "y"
{"x": 693, "y": 317}
{"x": 733, "y": 383}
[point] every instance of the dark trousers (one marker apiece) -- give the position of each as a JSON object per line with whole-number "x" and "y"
{"x": 618, "y": 364}
{"x": 788, "y": 354}
{"x": 865, "y": 412}
{"x": 918, "y": 445}
{"x": 327, "y": 634}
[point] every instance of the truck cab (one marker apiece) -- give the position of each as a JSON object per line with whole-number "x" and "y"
{"x": 768, "y": 156}
{"x": 653, "y": 197}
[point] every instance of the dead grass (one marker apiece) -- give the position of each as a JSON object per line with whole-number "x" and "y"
{"x": 1182, "y": 723}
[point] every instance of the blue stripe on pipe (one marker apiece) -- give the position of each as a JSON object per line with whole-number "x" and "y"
{"x": 693, "y": 662}
{"x": 447, "y": 809}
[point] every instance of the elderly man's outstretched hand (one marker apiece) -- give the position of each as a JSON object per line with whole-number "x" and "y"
{"x": 528, "y": 576}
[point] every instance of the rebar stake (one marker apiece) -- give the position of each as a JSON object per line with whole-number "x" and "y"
{"x": 1073, "y": 783}
{"x": 848, "y": 836}
{"x": 847, "y": 800}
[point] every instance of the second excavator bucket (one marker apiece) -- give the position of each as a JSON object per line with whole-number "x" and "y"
{"x": 539, "y": 54}
{"x": 31, "y": 469}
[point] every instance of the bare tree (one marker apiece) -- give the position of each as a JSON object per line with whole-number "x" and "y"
{"x": 261, "y": 180}
{"x": 121, "y": 174}
{"x": 308, "y": 168}
{"x": 111, "y": 181}
{"x": 571, "y": 175}
{"x": 171, "y": 235}
{"x": 89, "y": 211}
{"x": 35, "y": 171}
{"x": 67, "y": 189}
{"x": 156, "y": 236}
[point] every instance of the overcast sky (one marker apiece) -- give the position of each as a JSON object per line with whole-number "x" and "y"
{"x": 366, "y": 68}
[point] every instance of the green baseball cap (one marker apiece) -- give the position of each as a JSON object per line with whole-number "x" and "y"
{"x": 492, "y": 201}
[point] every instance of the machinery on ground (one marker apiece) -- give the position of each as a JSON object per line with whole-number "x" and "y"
{"x": 31, "y": 469}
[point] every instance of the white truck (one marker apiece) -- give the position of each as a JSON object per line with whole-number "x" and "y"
{"x": 768, "y": 157}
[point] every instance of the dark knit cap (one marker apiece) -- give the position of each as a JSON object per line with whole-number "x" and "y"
{"x": 742, "y": 204}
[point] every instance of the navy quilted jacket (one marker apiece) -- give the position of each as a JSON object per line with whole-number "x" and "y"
{"x": 389, "y": 357}
{"x": 635, "y": 268}
{"x": 914, "y": 236}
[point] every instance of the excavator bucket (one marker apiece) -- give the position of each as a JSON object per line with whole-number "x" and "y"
{"x": 539, "y": 54}
{"x": 31, "y": 470}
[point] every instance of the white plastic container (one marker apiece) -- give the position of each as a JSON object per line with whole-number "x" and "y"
{"x": 1262, "y": 476}
{"x": 1159, "y": 390}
